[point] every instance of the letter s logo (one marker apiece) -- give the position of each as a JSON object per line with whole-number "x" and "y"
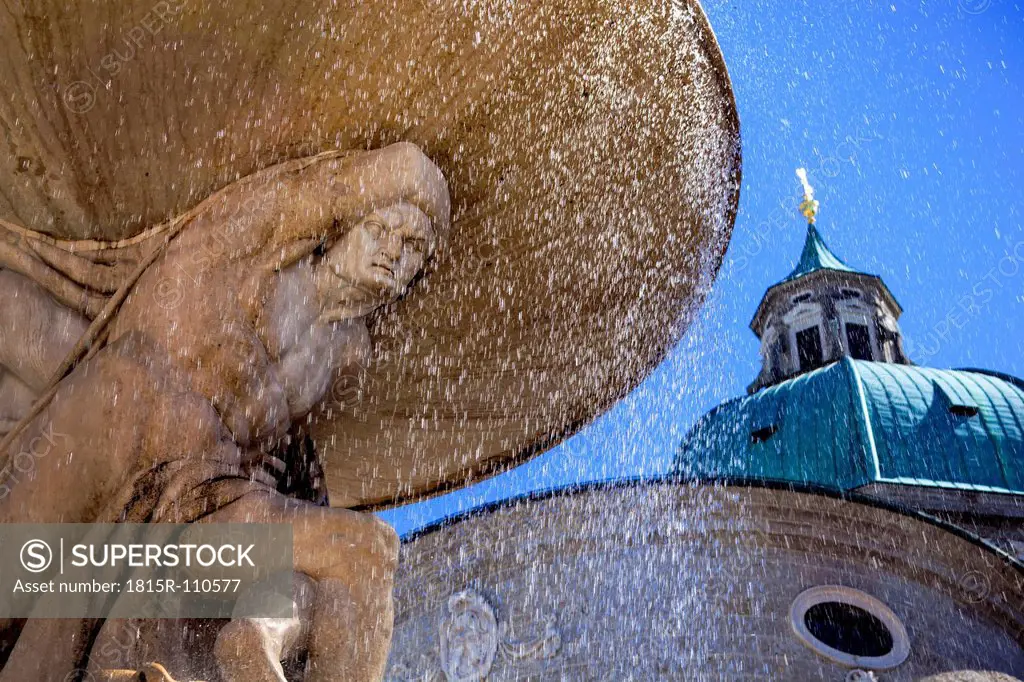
{"x": 36, "y": 556}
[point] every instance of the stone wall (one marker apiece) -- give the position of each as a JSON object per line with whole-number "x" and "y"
{"x": 669, "y": 582}
{"x": 997, "y": 517}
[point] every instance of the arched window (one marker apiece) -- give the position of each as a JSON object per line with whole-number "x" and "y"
{"x": 860, "y": 338}
{"x": 858, "y": 341}
{"x": 809, "y": 348}
{"x": 807, "y": 340}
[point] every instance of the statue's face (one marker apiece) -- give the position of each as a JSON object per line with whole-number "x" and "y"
{"x": 375, "y": 261}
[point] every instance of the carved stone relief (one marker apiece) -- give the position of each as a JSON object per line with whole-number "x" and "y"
{"x": 542, "y": 647}
{"x": 471, "y": 640}
{"x": 861, "y": 676}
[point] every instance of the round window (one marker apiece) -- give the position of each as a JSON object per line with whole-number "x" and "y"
{"x": 850, "y": 627}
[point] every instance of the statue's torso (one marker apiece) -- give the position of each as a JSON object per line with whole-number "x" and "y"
{"x": 205, "y": 380}
{"x": 248, "y": 341}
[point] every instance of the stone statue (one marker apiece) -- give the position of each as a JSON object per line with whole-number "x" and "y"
{"x": 181, "y": 409}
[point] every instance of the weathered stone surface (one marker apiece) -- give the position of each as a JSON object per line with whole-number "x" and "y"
{"x": 211, "y": 188}
{"x": 180, "y": 416}
{"x": 671, "y": 582}
{"x": 970, "y": 676}
{"x": 591, "y": 147}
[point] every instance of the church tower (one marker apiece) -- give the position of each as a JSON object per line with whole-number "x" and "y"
{"x": 838, "y": 406}
{"x": 823, "y": 311}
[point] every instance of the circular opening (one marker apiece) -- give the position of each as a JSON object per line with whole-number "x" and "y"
{"x": 849, "y": 629}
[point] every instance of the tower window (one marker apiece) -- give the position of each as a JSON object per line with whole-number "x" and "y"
{"x": 808, "y": 348}
{"x": 858, "y": 340}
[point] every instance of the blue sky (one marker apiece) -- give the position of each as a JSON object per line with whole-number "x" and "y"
{"x": 910, "y": 120}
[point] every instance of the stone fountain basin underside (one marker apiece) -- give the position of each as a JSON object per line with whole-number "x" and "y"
{"x": 592, "y": 150}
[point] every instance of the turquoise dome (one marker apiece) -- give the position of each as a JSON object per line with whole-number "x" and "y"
{"x": 853, "y": 423}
